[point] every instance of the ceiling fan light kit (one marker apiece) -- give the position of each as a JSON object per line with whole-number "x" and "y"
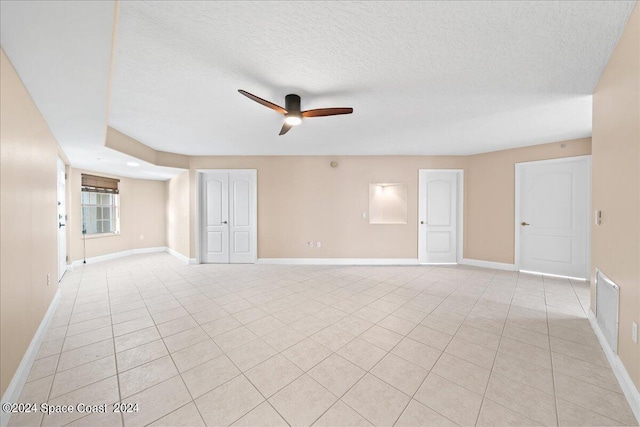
{"x": 292, "y": 112}
{"x": 293, "y": 117}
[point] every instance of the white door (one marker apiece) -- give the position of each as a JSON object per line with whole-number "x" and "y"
{"x": 62, "y": 220}
{"x": 215, "y": 242}
{"x": 438, "y": 216}
{"x": 240, "y": 221}
{"x": 229, "y": 217}
{"x": 552, "y": 221}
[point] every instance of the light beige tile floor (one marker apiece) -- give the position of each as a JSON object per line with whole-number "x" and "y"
{"x": 252, "y": 345}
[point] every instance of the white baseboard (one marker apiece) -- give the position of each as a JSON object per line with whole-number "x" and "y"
{"x": 376, "y": 261}
{"x": 12, "y": 394}
{"x": 115, "y": 255}
{"x": 626, "y": 383}
{"x": 338, "y": 261}
{"x": 178, "y": 255}
{"x": 489, "y": 264}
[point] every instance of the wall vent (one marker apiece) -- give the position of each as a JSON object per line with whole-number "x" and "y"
{"x": 607, "y": 303}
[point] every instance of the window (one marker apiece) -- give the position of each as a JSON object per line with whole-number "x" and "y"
{"x": 100, "y": 208}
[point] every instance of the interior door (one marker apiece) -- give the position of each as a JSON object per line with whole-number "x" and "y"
{"x": 62, "y": 219}
{"x": 215, "y": 241}
{"x": 438, "y": 216}
{"x": 229, "y": 216}
{"x": 553, "y": 217}
{"x": 240, "y": 217}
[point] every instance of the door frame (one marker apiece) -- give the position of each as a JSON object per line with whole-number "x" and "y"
{"x": 200, "y": 209}
{"x": 516, "y": 222}
{"x": 62, "y": 167}
{"x": 459, "y": 214}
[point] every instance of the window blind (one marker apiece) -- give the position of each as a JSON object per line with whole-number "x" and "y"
{"x": 99, "y": 184}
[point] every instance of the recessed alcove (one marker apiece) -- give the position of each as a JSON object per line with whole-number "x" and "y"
{"x": 387, "y": 203}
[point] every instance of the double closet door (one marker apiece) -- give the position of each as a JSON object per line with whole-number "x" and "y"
{"x": 228, "y": 216}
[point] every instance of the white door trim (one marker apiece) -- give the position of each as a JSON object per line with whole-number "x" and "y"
{"x": 459, "y": 213}
{"x": 61, "y": 174}
{"x": 516, "y": 225}
{"x": 200, "y": 209}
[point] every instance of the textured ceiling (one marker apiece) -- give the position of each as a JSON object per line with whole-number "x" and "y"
{"x": 422, "y": 77}
{"x": 62, "y": 53}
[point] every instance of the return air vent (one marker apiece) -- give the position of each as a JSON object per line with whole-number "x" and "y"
{"x": 607, "y": 300}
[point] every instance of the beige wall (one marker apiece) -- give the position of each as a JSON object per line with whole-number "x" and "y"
{"x": 301, "y": 199}
{"x": 28, "y": 210}
{"x": 616, "y": 183}
{"x": 142, "y": 213}
{"x": 177, "y": 232}
{"x": 125, "y": 144}
{"x": 490, "y": 197}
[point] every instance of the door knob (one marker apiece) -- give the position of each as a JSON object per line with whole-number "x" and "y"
{"x": 421, "y": 222}
{"x": 224, "y": 222}
{"x": 524, "y": 223}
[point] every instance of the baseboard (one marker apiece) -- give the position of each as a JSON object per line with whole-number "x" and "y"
{"x": 178, "y": 255}
{"x": 115, "y": 255}
{"x": 12, "y": 394}
{"x": 149, "y": 250}
{"x": 338, "y": 261}
{"x": 489, "y": 264}
{"x": 626, "y": 383}
{"x": 295, "y": 261}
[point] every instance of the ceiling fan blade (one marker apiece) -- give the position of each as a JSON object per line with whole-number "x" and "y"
{"x": 320, "y": 112}
{"x": 264, "y": 102}
{"x": 285, "y": 128}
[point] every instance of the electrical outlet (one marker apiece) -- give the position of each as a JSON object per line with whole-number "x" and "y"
{"x": 142, "y": 237}
{"x": 310, "y": 244}
{"x": 49, "y": 280}
{"x": 634, "y": 332}
{"x": 319, "y": 244}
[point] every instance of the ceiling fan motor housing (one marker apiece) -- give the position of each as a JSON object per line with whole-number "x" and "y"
{"x": 292, "y": 103}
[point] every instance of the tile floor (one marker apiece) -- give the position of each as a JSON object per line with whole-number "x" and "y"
{"x": 253, "y": 345}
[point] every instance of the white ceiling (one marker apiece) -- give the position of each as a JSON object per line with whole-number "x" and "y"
{"x": 422, "y": 77}
{"x": 62, "y": 52}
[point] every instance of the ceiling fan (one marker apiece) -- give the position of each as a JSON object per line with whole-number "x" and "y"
{"x": 292, "y": 114}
